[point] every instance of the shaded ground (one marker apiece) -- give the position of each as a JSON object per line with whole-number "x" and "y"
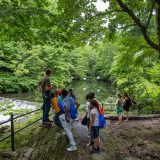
{"x": 133, "y": 140}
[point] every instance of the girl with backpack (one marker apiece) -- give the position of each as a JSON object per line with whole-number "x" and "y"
{"x": 94, "y": 125}
{"x": 119, "y": 108}
{"x": 127, "y": 104}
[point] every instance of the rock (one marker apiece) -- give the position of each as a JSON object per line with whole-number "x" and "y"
{"x": 8, "y": 155}
{"x": 157, "y": 140}
{"x": 28, "y": 152}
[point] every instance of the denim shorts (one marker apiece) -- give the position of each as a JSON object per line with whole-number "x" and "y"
{"x": 95, "y": 132}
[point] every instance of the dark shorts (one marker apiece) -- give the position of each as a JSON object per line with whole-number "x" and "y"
{"x": 57, "y": 120}
{"x": 126, "y": 108}
{"x": 95, "y": 132}
{"x": 88, "y": 121}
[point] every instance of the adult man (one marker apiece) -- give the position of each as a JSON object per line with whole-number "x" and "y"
{"x": 46, "y": 87}
{"x": 65, "y": 118}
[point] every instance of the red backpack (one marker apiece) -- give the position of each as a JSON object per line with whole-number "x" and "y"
{"x": 101, "y": 109}
{"x": 102, "y": 120}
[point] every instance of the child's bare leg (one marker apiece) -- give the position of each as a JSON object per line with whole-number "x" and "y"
{"x": 120, "y": 118}
{"x": 127, "y": 116}
{"x": 96, "y": 142}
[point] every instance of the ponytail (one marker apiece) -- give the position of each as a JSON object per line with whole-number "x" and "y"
{"x": 95, "y": 104}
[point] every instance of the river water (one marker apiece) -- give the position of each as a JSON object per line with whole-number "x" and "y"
{"x": 102, "y": 90}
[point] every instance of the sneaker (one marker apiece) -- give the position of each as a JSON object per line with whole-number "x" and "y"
{"x": 98, "y": 149}
{"x": 64, "y": 133}
{"x": 69, "y": 145}
{"x": 46, "y": 125}
{"x": 76, "y": 119}
{"x": 94, "y": 150}
{"x": 72, "y": 148}
{"x": 90, "y": 144}
{"x": 126, "y": 120}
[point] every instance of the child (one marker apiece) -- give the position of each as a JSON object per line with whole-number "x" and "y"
{"x": 127, "y": 104}
{"x": 71, "y": 94}
{"x": 66, "y": 119}
{"x": 59, "y": 95}
{"x": 94, "y": 126}
{"x": 56, "y": 108}
{"x": 119, "y": 108}
{"x": 88, "y": 109}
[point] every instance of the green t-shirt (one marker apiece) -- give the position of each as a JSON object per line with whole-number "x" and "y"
{"x": 119, "y": 107}
{"x": 45, "y": 82}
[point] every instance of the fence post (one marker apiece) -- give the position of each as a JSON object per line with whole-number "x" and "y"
{"x": 12, "y": 132}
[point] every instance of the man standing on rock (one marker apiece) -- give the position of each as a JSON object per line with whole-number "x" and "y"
{"x": 46, "y": 88}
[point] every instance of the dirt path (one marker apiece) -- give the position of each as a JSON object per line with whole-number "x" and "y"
{"x": 133, "y": 140}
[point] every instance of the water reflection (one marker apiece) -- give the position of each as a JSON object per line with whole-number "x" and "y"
{"x": 102, "y": 89}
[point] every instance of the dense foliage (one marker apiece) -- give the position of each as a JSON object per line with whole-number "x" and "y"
{"x": 74, "y": 39}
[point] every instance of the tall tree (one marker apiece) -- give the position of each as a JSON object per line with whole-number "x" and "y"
{"x": 145, "y": 14}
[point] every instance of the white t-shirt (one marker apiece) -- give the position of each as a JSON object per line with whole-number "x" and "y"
{"x": 88, "y": 109}
{"x": 95, "y": 112}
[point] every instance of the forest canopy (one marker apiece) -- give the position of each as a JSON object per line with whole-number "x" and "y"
{"x": 74, "y": 39}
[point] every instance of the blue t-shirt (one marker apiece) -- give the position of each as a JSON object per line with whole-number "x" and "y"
{"x": 67, "y": 101}
{"x": 59, "y": 99}
{"x": 70, "y": 102}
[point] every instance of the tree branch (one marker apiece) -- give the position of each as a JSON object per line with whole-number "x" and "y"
{"x": 141, "y": 26}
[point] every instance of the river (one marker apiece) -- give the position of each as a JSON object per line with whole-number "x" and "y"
{"x": 102, "y": 89}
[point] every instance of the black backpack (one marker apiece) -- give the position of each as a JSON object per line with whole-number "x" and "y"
{"x": 129, "y": 102}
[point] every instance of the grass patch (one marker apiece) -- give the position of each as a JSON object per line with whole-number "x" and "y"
{"x": 23, "y": 137}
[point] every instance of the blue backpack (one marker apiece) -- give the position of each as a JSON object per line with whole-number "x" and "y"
{"x": 73, "y": 111}
{"x": 61, "y": 106}
{"x": 102, "y": 121}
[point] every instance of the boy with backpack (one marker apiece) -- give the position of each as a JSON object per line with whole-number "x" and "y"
{"x": 56, "y": 109}
{"x": 70, "y": 112}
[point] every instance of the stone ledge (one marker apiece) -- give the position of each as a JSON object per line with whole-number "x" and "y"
{"x": 146, "y": 117}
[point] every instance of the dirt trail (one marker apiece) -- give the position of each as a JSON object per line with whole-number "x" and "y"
{"x": 133, "y": 140}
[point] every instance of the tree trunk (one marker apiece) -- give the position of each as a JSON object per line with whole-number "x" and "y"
{"x": 141, "y": 26}
{"x": 158, "y": 22}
